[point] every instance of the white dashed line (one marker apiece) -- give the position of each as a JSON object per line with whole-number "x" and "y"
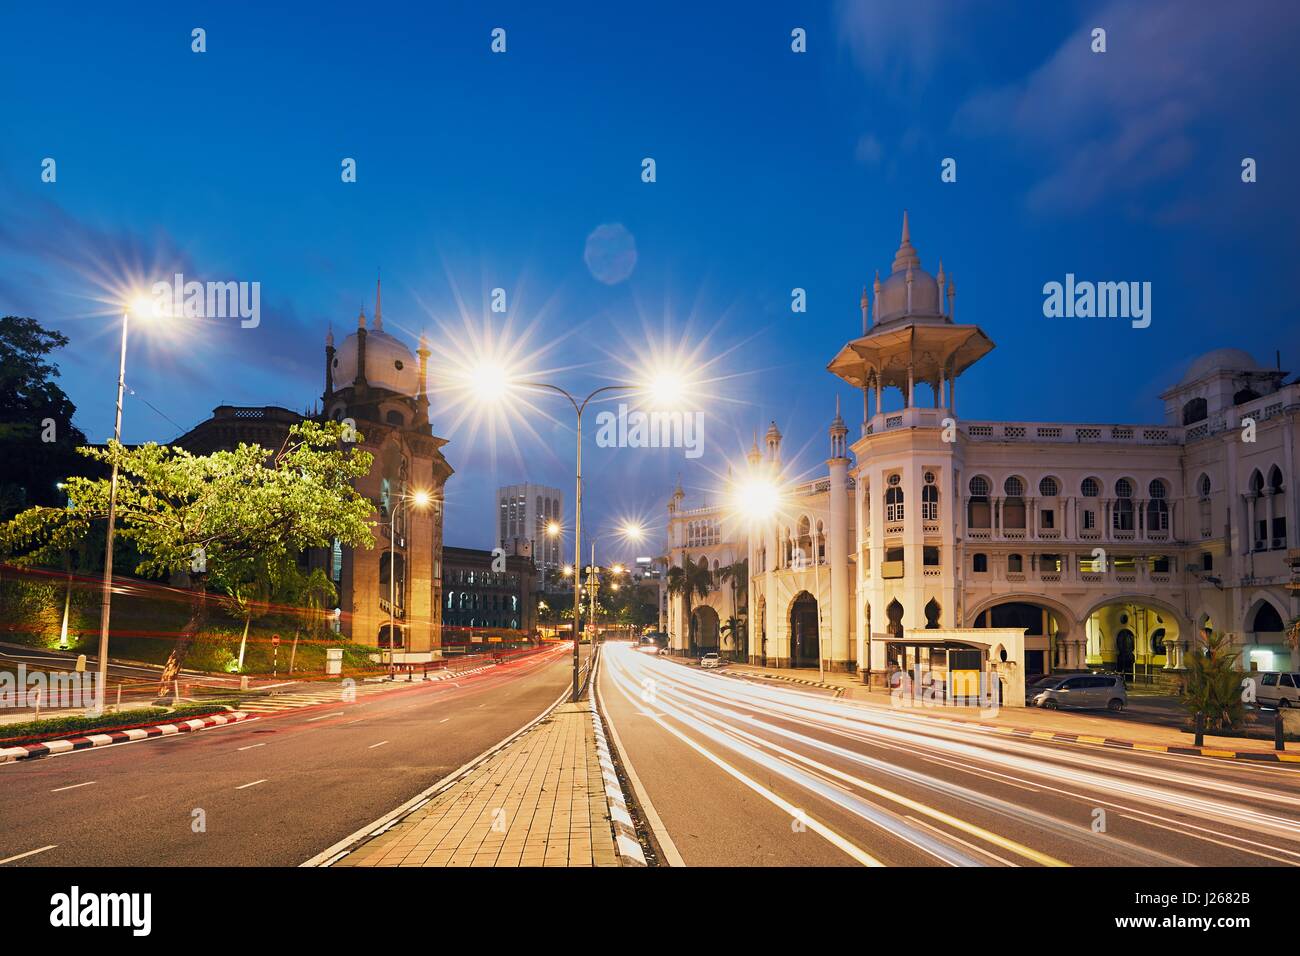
{"x": 380, "y": 744}
{"x": 323, "y": 716}
{"x": 73, "y": 787}
{"x": 251, "y": 746}
{"x": 253, "y": 784}
{"x": 10, "y": 859}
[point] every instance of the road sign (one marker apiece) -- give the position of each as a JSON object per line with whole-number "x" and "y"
{"x": 275, "y": 640}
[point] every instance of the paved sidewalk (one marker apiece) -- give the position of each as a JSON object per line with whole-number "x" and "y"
{"x": 540, "y": 801}
{"x": 1068, "y": 726}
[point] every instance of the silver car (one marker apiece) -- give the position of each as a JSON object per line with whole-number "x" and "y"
{"x": 710, "y": 660}
{"x": 1079, "y": 691}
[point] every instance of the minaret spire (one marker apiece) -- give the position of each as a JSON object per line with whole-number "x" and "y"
{"x": 379, "y": 304}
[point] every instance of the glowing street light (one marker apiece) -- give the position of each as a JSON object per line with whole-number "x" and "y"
{"x": 421, "y": 500}
{"x": 144, "y": 308}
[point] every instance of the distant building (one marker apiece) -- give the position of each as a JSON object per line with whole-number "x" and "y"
{"x": 375, "y": 382}
{"x": 523, "y": 513}
{"x": 484, "y": 604}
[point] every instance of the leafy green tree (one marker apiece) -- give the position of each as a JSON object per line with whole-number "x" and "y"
{"x": 211, "y": 516}
{"x": 1212, "y": 688}
{"x": 688, "y": 581}
{"x": 736, "y": 575}
{"x": 33, "y": 410}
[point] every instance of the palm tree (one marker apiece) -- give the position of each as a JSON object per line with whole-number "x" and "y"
{"x": 1213, "y": 686}
{"x": 736, "y": 573}
{"x": 688, "y": 581}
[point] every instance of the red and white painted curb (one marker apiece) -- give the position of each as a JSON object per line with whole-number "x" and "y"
{"x": 28, "y": 751}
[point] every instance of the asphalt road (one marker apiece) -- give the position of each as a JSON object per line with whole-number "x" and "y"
{"x": 272, "y": 791}
{"x": 745, "y": 774}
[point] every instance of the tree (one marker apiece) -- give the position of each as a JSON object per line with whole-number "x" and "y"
{"x": 211, "y": 516}
{"x": 736, "y": 574}
{"x": 688, "y": 581}
{"x": 1212, "y": 688}
{"x": 37, "y": 437}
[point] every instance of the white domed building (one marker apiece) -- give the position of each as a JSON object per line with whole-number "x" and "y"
{"x": 1030, "y": 547}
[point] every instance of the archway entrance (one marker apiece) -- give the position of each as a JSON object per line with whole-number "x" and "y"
{"x": 1130, "y": 637}
{"x": 804, "y": 635}
{"x": 706, "y": 628}
{"x": 1041, "y": 625}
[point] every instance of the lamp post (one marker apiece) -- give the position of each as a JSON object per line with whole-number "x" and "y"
{"x": 631, "y": 532}
{"x": 492, "y": 382}
{"x": 421, "y": 500}
{"x": 106, "y": 600}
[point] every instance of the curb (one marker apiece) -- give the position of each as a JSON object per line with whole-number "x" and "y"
{"x": 626, "y": 840}
{"x": 1262, "y": 756}
{"x": 838, "y": 689}
{"x": 69, "y": 744}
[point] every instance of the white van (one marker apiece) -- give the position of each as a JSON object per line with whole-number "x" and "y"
{"x": 1274, "y": 689}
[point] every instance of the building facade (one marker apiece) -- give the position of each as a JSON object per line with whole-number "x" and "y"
{"x": 524, "y": 512}
{"x": 489, "y": 599}
{"x": 1041, "y": 546}
{"x": 376, "y": 386}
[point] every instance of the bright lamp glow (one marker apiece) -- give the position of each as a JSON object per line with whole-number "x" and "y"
{"x": 490, "y": 381}
{"x": 757, "y": 498}
{"x": 633, "y": 532}
{"x": 553, "y": 529}
{"x": 420, "y": 499}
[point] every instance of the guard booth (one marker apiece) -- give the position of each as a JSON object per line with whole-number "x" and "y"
{"x": 979, "y": 666}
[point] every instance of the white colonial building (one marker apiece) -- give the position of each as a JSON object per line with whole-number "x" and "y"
{"x": 1104, "y": 545}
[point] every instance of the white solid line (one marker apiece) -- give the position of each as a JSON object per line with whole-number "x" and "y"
{"x": 251, "y": 746}
{"x": 323, "y": 716}
{"x": 73, "y": 787}
{"x": 652, "y": 818}
{"x": 380, "y": 744}
{"x": 28, "y": 853}
{"x": 444, "y": 720}
{"x": 253, "y": 784}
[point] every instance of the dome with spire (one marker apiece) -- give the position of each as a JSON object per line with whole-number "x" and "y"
{"x": 390, "y": 363}
{"x": 895, "y": 301}
{"x": 1229, "y": 360}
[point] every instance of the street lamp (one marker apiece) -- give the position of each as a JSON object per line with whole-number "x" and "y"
{"x": 420, "y": 499}
{"x": 629, "y": 531}
{"x": 143, "y": 307}
{"x": 492, "y": 382}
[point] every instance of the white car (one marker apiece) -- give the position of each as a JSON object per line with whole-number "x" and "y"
{"x": 1278, "y": 690}
{"x": 710, "y": 660}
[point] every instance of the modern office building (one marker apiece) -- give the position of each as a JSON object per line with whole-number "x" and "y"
{"x": 523, "y": 513}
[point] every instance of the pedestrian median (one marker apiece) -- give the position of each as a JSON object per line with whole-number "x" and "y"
{"x": 542, "y": 800}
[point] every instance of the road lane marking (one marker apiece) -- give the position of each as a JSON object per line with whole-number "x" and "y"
{"x": 1230, "y": 846}
{"x": 444, "y": 720}
{"x": 28, "y": 853}
{"x": 253, "y": 784}
{"x": 338, "y": 713}
{"x": 73, "y": 787}
{"x": 251, "y": 746}
{"x": 794, "y": 812}
{"x": 380, "y": 744}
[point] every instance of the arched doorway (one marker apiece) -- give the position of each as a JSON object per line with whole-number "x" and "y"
{"x": 706, "y": 628}
{"x": 395, "y": 640}
{"x": 1041, "y": 624}
{"x": 1131, "y": 636}
{"x": 804, "y": 635}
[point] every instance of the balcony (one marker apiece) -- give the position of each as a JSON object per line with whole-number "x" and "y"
{"x": 891, "y": 570}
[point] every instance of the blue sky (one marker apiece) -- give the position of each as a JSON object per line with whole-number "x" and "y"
{"x": 775, "y": 170}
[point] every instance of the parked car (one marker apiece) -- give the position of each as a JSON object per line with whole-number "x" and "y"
{"x": 1274, "y": 689}
{"x": 648, "y": 646}
{"x": 710, "y": 660}
{"x": 1079, "y": 691}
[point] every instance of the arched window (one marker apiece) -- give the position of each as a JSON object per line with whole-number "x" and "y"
{"x": 1275, "y": 479}
{"x": 1090, "y": 488}
{"x": 894, "y": 499}
{"x": 1247, "y": 394}
{"x": 978, "y": 512}
{"x": 1197, "y": 410}
{"x": 1049, "y": 487}
{"x": 932, "y": 612}
{"x": 1013, "y": 506}
{"x": 1203, "y": 486}
{"x": 1267, "y": 619}
{"x": 1257, "y": 483}
{"x": 929, "y": 498}
{"x": 395, "y": 418}
{"x": 1122, "y": 516}
{"x": 1157, "y": 507}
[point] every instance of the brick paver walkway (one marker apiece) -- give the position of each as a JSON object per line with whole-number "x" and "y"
{"x": 538, "y": 802}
